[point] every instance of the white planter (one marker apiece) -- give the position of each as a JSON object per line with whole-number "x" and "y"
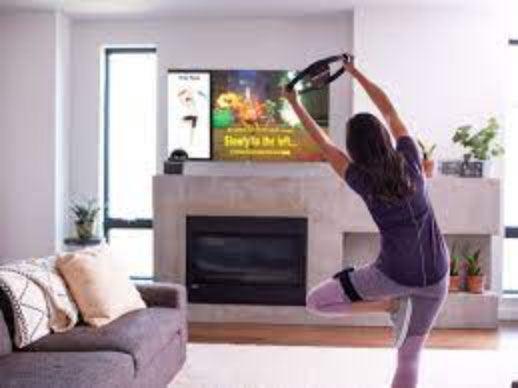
{"x": 488, "y": 170}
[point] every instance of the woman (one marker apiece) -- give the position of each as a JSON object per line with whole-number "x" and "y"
{"x": 409, "y": 278}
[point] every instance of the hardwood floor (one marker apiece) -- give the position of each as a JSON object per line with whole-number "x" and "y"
{"x": 506, "y": 336}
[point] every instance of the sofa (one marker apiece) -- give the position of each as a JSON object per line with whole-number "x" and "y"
{"x": 144, "y": 348}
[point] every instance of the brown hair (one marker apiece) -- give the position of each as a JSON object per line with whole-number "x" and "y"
{"x": 371, "y": 149}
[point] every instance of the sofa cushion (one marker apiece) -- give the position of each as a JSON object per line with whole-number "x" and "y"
{"x": 6, "y": 345}
{"x": 142, "y": 334}
{"x": 164, "y": 367}
{"x": 65, "y": 370}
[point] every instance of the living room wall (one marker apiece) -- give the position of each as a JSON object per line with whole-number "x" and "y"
{"x": 441, "y": 68}
{"x": 289, "y": 43}
{"x": 444, "y": 67}
{"x": 31, "y": 128}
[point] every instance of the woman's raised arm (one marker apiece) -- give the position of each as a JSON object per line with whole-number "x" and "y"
{"x": 333, "y": 154}
{"x": 381, "y": 100}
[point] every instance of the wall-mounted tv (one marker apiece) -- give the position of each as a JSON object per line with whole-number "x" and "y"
{"x": 248, "y": 118}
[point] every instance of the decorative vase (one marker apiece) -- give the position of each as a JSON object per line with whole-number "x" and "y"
{"x": 84, "y": 230}
{"x": 476, "y": 284}
{"x": 488, "y": 168}
{"x": 428, "y": 167}
{"x": 454, "y": 283}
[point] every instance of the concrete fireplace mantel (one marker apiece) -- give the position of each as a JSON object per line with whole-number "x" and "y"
{"x": 340, "y": 230}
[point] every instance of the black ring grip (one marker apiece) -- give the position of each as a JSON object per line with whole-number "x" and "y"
{"x": 316, "y": 69}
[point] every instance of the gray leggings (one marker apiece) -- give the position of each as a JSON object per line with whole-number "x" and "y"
{"x": 371, "y": 284}
{"x": 334, "y": 297}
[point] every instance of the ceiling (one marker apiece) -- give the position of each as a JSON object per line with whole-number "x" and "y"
{"x": 209, "y": 8}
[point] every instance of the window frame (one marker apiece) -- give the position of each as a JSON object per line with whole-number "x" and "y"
{"x": 111, "y": 222}
{"x": 511, "y": 231}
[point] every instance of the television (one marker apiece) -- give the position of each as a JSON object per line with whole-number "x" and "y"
{"x": 235, "y": 115}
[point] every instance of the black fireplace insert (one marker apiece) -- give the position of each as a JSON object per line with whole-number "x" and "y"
{"x": 246, "y": 260}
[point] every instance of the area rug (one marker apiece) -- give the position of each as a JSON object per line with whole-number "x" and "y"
{"x": 263, "y": 366}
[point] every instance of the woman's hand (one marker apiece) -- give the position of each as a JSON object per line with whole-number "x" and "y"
{"x": 349, "y": 67}
{"x": 290, "y": 95}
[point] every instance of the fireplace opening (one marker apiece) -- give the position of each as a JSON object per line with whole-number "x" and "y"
{"x": 246, "y": 260}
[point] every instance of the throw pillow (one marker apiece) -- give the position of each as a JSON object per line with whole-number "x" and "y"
{"x": 99, "y": 284}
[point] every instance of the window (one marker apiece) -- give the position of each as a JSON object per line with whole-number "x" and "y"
{"x": 130, "y": 155}
{"x": 510, "y": 280}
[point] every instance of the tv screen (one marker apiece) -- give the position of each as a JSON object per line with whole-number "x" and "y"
{"x": 248, "y": 118}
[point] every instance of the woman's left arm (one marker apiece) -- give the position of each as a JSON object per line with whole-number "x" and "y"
{"x": 333, "y": 154}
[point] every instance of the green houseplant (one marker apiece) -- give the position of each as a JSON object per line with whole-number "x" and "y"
{"x": 428, "y": 162}
{"x": 85, "y": 218}
{"x": 476, "y": 278}
{"x": 455, "y": 279}
{"x": 480, "y": 145}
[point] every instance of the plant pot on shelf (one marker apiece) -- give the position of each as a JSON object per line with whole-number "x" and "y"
{"x": 476, "y": 284}
{"x": 84, "y": 230}
{"x": 488, "y": 168}
{"x": 428, "y": 167}
{"x": 454, "y": 283}
{"x": 428, "y": 164}
{"x": 455, "y": 279}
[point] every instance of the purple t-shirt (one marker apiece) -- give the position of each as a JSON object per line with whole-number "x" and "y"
{"x": 413, "y": 252}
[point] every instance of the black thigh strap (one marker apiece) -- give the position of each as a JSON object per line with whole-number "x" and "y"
{"x": 345, "y": 279}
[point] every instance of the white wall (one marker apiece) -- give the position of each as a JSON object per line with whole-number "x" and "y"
{"x": 28, "y": 222}
{"x": 62, "y": 128}
{"x": 443, "y": 67}
{"x": 3, "y": 166}
{"x": 212, "y": 44}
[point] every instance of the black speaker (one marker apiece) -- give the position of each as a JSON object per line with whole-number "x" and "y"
{"x": 174, "y": 164}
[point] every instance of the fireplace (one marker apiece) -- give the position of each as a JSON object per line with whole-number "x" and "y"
{"x": 246, "y": 260}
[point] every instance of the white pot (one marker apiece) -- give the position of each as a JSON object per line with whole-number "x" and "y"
{"x": 488, "y": 169}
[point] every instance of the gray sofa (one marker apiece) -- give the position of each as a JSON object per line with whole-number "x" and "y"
{"x": 143, "y": 349}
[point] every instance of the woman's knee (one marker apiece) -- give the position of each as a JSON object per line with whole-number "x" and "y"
{"x": 313, "y": 299}
{"x": 326, "y": 293}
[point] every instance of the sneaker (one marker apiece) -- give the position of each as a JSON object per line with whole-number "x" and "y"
{"x": 400, "y": 317}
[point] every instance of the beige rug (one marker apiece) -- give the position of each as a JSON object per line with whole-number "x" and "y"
{"x": 260, "y": 366}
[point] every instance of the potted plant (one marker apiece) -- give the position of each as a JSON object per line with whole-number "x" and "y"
{"x": 455, "y": 278}
{"x": 476, "y": 279}
{"x": 428, "y": 162}
{"x": 480, "y": 146}
{"x": 85, "y": 218}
